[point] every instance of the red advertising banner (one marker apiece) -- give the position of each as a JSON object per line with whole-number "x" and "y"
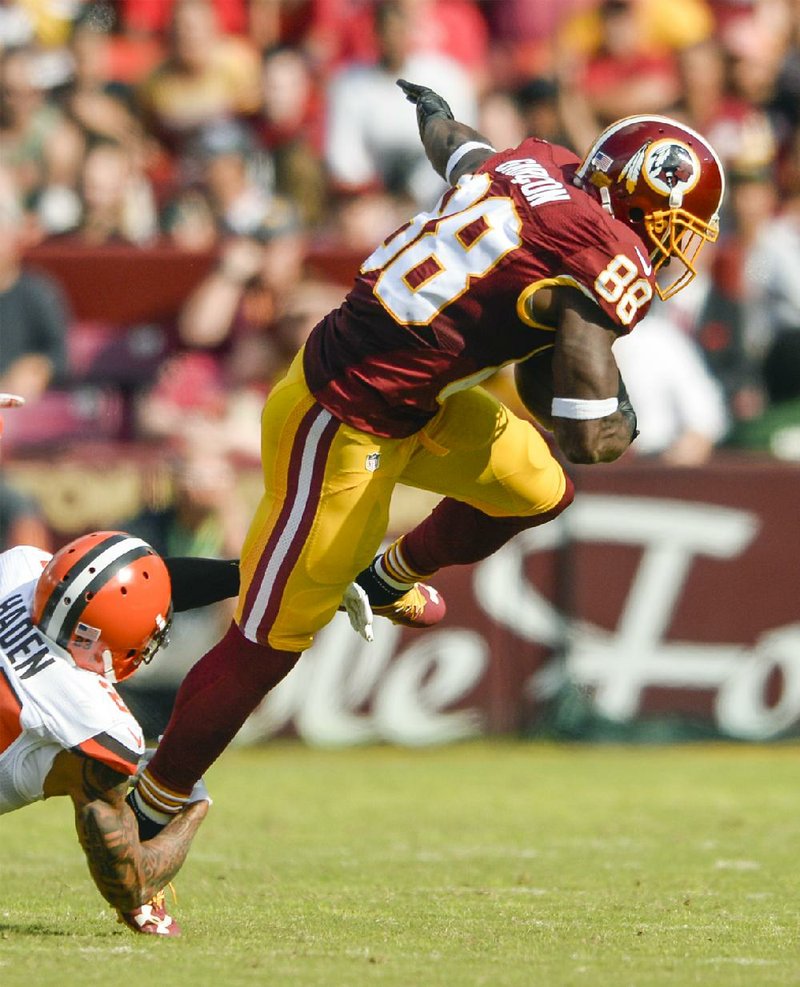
{"x": 659, "y": 593}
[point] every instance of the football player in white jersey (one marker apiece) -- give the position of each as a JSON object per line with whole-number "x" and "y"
{"x": 71, "y": 625}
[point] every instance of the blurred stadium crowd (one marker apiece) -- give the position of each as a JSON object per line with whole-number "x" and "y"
{"x": 255, "y": 136}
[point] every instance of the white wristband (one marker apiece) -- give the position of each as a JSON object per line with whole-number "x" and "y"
{"x": 459, "y": 153}
{"x": 582, "y": 410}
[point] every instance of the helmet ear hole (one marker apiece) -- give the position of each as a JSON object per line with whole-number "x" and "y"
{"x": 123, "y": 590}
{"x": 636, "y": 214}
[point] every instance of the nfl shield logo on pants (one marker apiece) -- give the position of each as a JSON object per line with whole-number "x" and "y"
{"x": 373, "y": 462}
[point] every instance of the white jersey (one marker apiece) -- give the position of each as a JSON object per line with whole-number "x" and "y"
{"x": 47, "y": 705}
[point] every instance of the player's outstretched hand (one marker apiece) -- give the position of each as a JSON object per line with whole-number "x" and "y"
{"x": 429, "y": 104}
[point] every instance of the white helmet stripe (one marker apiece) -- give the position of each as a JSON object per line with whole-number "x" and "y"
{"x": 75, "y": 588}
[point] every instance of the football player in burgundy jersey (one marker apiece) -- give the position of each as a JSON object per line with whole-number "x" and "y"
{"x": 529, "y": 251}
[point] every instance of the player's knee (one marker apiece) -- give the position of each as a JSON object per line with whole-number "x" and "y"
{"x": 256, "y": 659}
{"x": 541, "y": 515}
{"x": 566, "y": 498}
{"x": 250, "y": 650}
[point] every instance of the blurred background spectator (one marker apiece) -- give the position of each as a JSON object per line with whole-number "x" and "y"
{"x": 202, "y": 514}
{"x": 21, "y": 518}
{"x": 680, "y": 406}
{"x": 206, "y": 76}
{"x": 33, "y": 316}
{"x": 38, "y": 143}
{"x": 102, "y": 106}
{"x": 620, "y": 57}
{"x": 772, "y": 260}
{"x": 777, "y": 429}
{"x": 114, "y": 201}
{"x": 241, "y": 326}
{"x": 369, "y": 142}
{"x": 205, "y": 177}
{"x": 146, "y": 17}
{"x": 291, "y": 129}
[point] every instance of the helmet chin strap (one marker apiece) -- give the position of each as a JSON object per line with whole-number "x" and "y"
{"x": 605, "y": 200}
{"x": 108, "y": 665}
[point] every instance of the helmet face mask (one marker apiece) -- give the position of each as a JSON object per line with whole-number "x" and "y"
{"x": 106, "y": 600}
{"x": 676, "y": 234}
{"x": 664, "y": 181}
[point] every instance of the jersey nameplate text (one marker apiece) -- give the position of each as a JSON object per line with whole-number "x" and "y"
{"x": 538, "y": 187}
{"x": 22, "y": 643}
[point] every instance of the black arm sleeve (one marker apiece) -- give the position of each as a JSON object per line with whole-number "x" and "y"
{"x": 201, "y": 582}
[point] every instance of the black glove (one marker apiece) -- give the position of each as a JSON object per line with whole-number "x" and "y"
{"x": 428, "y": 103}
{"x": 626, "y": 408}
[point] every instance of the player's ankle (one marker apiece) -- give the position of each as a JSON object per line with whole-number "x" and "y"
{"x": 380, "y": 592}
{"x": 149, "y": 821}
{"x": 154, "y": 804}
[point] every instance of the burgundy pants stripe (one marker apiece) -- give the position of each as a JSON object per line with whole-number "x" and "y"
{"x": 306, "y": 471}
{"x": 298, "y": 542}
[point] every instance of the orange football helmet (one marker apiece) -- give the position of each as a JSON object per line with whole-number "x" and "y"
{"x": 105, "y": 598}
{"x": 665, "y": 181}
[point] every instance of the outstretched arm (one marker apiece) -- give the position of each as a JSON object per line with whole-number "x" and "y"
{"x": 127, "y": 872}
{"x": 453, "y": 148}
{"x": 199, "y": 582}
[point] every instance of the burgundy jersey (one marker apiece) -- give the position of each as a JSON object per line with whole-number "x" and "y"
{"x": 443, "y": 302}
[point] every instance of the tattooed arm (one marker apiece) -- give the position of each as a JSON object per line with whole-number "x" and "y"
{"x": 127, "y": 872}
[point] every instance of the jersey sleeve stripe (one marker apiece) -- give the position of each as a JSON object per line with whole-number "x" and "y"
{"x": 10, "y": 710}
{"x": 110, "y": 751}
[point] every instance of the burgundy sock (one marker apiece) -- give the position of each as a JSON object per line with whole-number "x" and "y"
{"x": 214, "y": 700}
{"x": 457, "y": 534}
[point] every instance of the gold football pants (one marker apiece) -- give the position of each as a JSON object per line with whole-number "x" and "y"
{"x": 327, "y": 489}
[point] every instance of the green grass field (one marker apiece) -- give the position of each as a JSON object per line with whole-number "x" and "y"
{"x": 487, "y": 863}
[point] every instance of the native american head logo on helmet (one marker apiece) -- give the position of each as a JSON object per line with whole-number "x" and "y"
{"x": 664, "y": 181}
{"x": 668, "y": 165}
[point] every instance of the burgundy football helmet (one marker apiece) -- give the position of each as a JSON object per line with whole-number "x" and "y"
{"x": 665, "y": 181}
